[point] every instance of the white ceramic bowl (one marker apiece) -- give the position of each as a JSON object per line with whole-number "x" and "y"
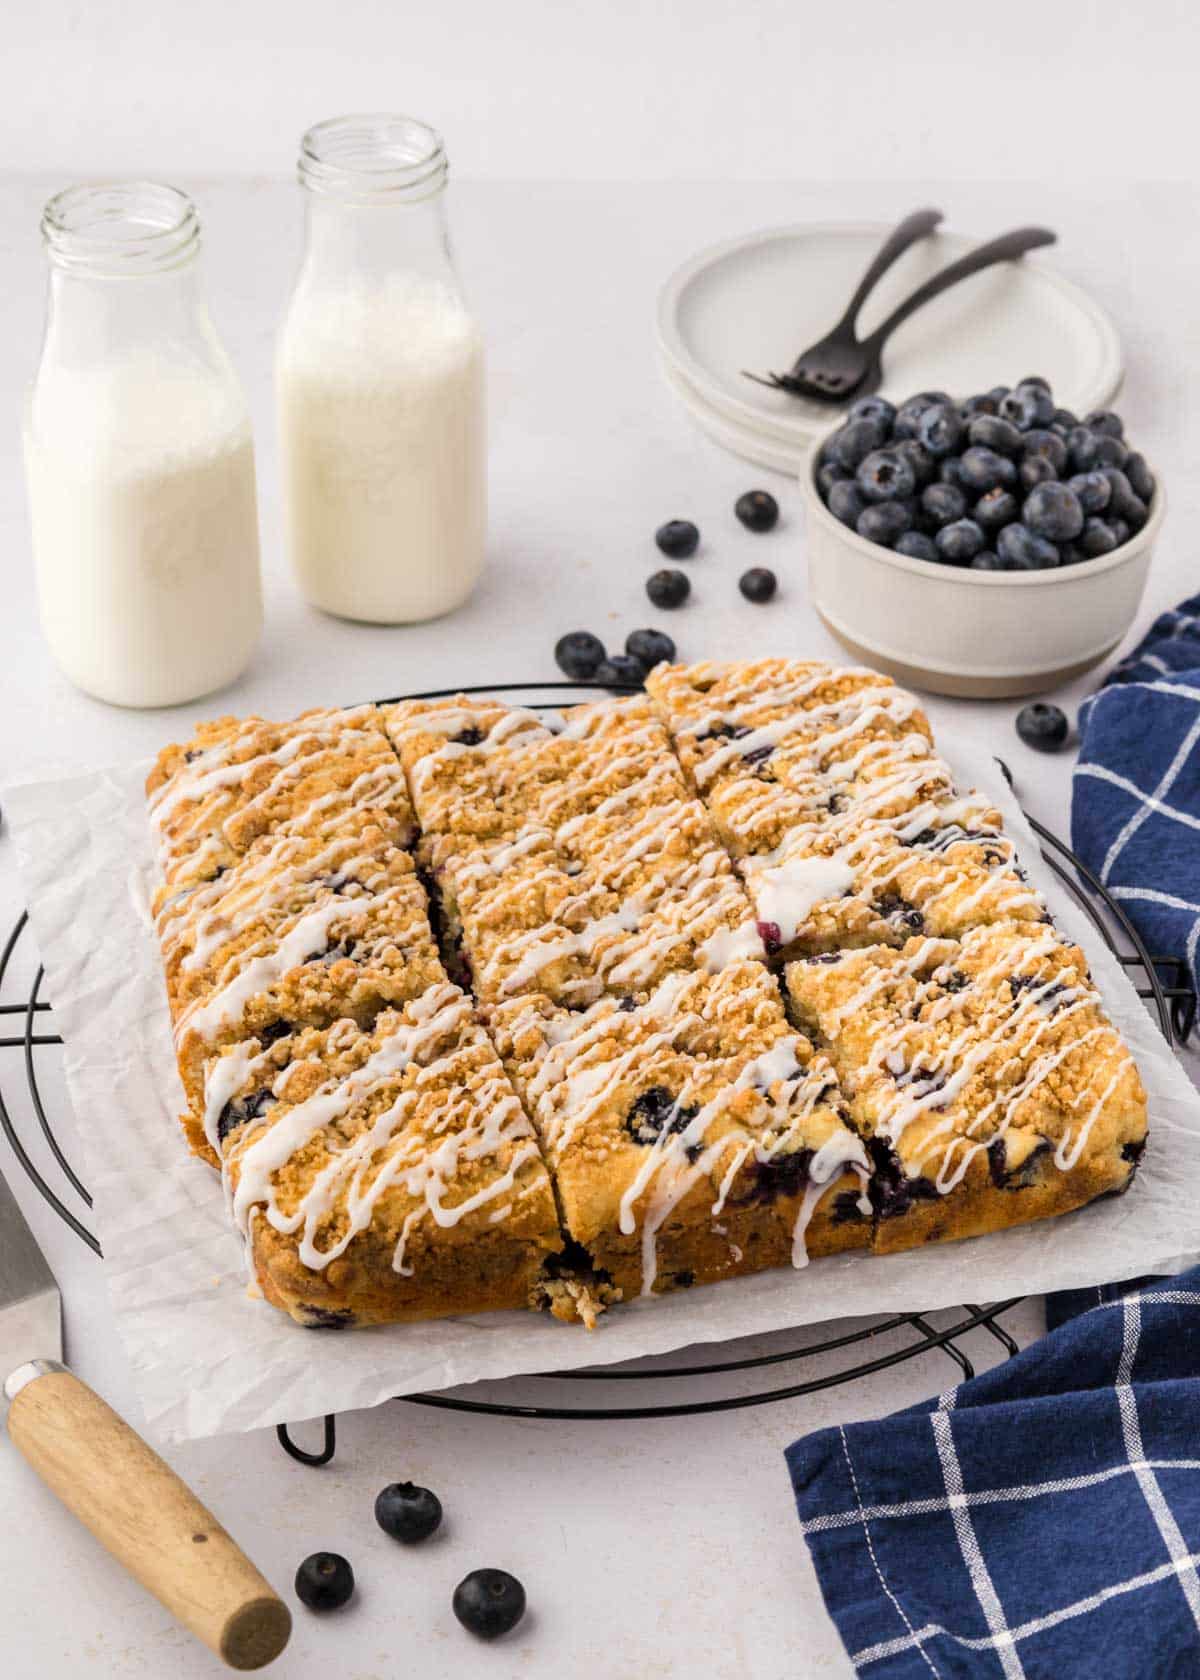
{"x": 982, "y": 635}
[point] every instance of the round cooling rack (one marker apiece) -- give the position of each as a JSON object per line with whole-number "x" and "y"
{"x": 831, "y": 1355}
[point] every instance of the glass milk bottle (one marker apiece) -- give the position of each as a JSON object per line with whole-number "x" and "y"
{"x": 380, "y": 383}
{"x": 138, "y": 457}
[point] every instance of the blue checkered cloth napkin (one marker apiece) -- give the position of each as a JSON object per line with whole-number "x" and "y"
{"x": 1135, "y": 810}
{"x": 1041, "y": 1521}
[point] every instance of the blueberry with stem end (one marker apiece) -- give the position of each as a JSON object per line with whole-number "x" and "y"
{"x": 758, "y": 584}
{"x": 678, "y": 539}
{"x": 885, "y": 476}
{"x": 1052, "y": 511}
{"x": 668, "y": 588}
{"x": 620, "y": 671}
{"x": 1027, "y": 405}
{"x": 757, "y": 510}
{"x": 995, "y": 509}
{"x": 408, "y": 1512}
{"x": 650, "y": 648}
{"x": 578, "y": 653}
{"x": 489, "y": 1602}
{"x": 1042, "y": 726}
{"x": 324, "y": 1581}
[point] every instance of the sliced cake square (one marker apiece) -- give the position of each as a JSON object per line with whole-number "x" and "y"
{"x": 692, "y": 1135}
{"x": 990, "y": 1083}
{"x": 385, "y": 1173}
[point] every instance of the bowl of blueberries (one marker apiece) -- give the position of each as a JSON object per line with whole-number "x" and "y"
{"x": 990, "y": 547}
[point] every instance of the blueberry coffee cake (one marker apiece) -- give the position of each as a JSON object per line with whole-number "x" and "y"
{"x": 478, "y": 1007}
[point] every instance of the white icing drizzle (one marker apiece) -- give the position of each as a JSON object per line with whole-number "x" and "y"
{"x": 786, "y": 893}
{"x": 729, "y": 945}
{"x": 224, "y": 1077}
{"x": 1002, "y": 1031}
{"x": 226, "y": 1004}
{"x": 478, "y": 1121}
{"x": 579, "y": 1075}
{"x": 848, "y": 818}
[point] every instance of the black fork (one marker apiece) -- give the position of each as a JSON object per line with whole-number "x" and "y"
{"x": 842, "y": 365}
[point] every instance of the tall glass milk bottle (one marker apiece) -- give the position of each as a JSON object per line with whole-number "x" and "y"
{"x": 139, "y": 459}
{"x": 380, "y": 382}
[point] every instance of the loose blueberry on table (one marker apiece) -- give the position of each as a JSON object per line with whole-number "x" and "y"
{"x": 668, "y": 588}
{"x": 650, "y": 647}
{"x": 408, "y": 1512}
{"x": 489, "y": 1602}
{"x": 758, "y": 584}
{"x": 757, "y": 510}
{"x": 1004, "y": 482}
{"x": 1042, "y": 726}
{"x": 578, "y": 653}
{"x": 678, "y": 539}
{"x": 620, "y": 671}
{"x": 324, "y": 1581}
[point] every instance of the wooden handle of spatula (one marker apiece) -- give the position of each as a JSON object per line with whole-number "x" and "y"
{"x": 149, "y": 1520}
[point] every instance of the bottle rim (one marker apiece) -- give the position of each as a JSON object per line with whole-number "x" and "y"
{"x": 120, "y": 228}
{"x": 373, "y": 157}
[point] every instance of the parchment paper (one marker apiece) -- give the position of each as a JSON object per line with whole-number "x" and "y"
{"x": 208, "y": 1358}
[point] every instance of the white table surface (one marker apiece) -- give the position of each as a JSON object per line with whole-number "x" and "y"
{"x": 647, "y": 1549}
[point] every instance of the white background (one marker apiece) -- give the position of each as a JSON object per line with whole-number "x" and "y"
{"x": 615, "y": 90}
{"x": 594, "y": 149}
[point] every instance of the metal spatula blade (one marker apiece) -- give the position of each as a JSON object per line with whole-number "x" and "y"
{"x": 132, "y": 1501}
{"x": 30, "y": 1304}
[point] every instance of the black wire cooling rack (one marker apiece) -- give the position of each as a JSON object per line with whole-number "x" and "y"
{"x": 866, "y": 1345}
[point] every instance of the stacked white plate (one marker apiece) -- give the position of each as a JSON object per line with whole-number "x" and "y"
{"x": 753, "y": 304}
